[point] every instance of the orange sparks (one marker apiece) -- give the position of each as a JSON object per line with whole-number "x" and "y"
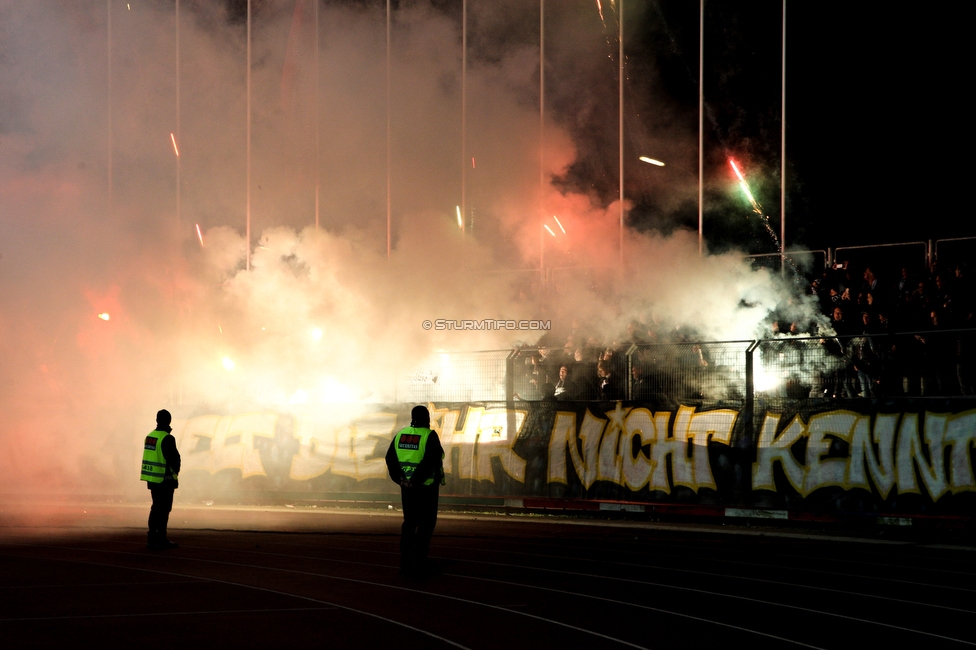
{"x": 199, "y": 235}
{"x": 104, "y": 316}
{"x": 472, "y": 163}
{"x": 173, "y": 138}
{"x": 549, "y": 229}
{"x": 560, "y": 223}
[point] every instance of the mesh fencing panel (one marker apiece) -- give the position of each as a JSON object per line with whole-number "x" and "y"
{"x": 456, "y": 377}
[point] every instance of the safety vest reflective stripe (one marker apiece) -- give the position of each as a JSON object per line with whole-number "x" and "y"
{"x": 154, "y": 469}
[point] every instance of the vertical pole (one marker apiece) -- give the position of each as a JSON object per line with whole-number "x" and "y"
{"x": 464, "y": 113}
{"x": 318, "y": 173}
{"x": 111, "y": 144}
{"x": 388, "y": 168}
{"x": 701, "y": 124}
{"x": 542, "y": 132}
{"x": 782, "y": 174}
{"x": 750, "y": 389}
{"x": 248, "y": 198}
{"x": 620, "y": 119}
{"x": 179, "y": 167}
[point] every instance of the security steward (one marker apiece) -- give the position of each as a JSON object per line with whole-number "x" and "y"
{"x": 160, "y": 470}
{"x": 415, "y": 460}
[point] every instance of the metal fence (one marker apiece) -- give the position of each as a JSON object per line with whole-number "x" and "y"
{"x": 456, "y": 377}
{"x": 688, "y": 371}
{"x": 939, "y": 363}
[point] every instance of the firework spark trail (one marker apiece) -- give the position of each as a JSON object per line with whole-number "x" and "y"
{"x": 199, "y": 235}
{"x": 756, "y": 206}
{"x": 173, "y": 138}
{"x": 560, "y": 223}
{"x": 599, "y": 8}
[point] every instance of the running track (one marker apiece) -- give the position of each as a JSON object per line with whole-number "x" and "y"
{"x": 252, "y": 577}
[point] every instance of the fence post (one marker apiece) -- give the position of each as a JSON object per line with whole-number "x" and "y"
{"x": 630, "y": 370}
{"x": 510, "y": 393}
{"x": 750, "y": 387}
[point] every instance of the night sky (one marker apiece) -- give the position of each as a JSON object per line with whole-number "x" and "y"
{"x": 872, "y": 117}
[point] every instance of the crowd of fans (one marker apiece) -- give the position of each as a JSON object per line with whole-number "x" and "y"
{"x": 878, "y": 335}
{"x": 582, "y": 366}
{"x": 900, "y": 335}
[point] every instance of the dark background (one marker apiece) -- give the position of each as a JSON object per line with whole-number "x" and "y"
{"x": 873, "y": 113}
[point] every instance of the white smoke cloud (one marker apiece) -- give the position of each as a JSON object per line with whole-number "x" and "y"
{"x": 78, "y": 391}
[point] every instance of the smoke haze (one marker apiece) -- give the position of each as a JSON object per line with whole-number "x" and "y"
{"x": 322, "y": 314}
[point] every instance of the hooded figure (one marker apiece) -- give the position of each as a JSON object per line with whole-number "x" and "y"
{"x": 415, "y": 462}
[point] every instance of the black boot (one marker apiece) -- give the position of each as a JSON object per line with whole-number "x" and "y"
{"x": 163, "y": 542}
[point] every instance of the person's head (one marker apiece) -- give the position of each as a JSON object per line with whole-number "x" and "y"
{"x": 420, "y": 417}
{"x": 866, "y": 317}
{"x": 563, "y": 372}
{"x": 602, "y": 369}
{"x": 838, "y": 313}
{"x": 163, "y": 418}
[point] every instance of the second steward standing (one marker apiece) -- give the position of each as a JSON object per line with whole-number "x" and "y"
{"x": 415, "y": 461}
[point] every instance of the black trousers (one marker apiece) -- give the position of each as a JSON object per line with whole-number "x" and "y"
{"x": 162, "y": 504}
{"x": 419, "y": 519}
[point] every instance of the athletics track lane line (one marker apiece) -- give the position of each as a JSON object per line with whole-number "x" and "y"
{"x": 340, "y": 578}
{"x": 238, "y": 584}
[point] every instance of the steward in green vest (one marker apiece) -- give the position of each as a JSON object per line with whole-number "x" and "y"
{"x": 415, "y": 461}
{"x": 160, "y": 471}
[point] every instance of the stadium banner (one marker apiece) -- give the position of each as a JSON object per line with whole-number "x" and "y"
{"x": 904, "y": 456}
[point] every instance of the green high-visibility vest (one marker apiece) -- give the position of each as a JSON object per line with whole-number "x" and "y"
{"x": 410, "y": 445}
{"x": 154, "y": 467}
